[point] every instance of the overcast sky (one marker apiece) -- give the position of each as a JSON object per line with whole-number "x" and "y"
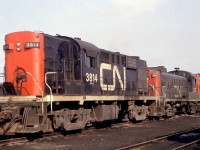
{"x": 162, "y": 32}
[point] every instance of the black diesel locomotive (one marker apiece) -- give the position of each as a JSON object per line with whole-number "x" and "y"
{"x": 58, "y": 82}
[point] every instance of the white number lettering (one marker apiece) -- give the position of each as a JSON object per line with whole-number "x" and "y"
{"x": 95, "y": 78}
{"x": 87, "y": 77}
{"x": 91, "y": 77}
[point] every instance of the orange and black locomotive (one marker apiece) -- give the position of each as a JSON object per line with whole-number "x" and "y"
{"x": 59, "y": 82}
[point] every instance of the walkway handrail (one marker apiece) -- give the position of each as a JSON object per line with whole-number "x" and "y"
{"x": 156, "y": 94}
{"x": 51, "y": 95}
{"x": 39, "y": 88}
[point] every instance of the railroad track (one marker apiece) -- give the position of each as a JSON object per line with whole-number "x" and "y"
{"x": 28, "y": 139}
{"x": 190, "y": 145}
{"x": 14, "y": 141}
{"x": 24, "y": 140}
{"x": 146, "y": 144}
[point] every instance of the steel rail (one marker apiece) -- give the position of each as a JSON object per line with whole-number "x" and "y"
{"x": 23, "y": 140}
{"x": 188, "y": 145}
{"x": 146, "y": 143}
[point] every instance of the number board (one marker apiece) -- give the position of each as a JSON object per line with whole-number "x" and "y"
{"x": 32, "y": 45}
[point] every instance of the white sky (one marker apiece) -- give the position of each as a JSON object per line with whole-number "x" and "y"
{"x": 162, "y": 32}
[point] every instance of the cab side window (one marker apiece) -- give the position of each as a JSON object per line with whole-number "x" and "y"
{"x": 90, "y": 62}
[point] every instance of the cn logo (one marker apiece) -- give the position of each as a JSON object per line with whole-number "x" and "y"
{"x": 116, "y": 75}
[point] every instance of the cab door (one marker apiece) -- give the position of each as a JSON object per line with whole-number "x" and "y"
{"x": 64, "y": 52}
{"x": 70, "y": 61}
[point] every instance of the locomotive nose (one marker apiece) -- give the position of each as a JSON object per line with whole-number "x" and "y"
{"x": 24, "y": 52}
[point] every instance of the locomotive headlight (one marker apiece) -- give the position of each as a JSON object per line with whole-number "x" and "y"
{"x": 18, "y": 49}
{"x": 18, "y": 46}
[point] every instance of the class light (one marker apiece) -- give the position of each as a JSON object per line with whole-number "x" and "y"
{"x": 9, "y": 46}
